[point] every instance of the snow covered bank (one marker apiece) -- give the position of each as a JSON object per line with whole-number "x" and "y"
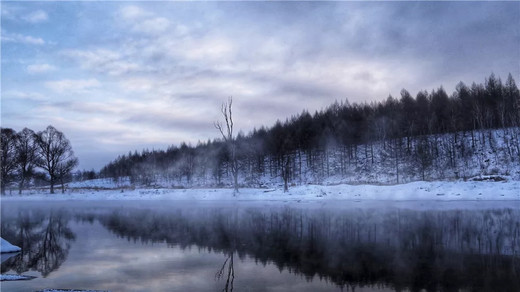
{"x": 439, "y": 190}
{"x": 10, "y": 277}
{"x": 6, "y": 246}
{"x": 70, "y": 290}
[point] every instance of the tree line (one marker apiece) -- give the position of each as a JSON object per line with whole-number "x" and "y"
{"x": 44, "y": 156}
{"x": 419, "y": 137}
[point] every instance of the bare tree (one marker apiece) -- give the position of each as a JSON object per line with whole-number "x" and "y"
{"x": 26, "y": 156}
{"x": 64, "y": 169}
{"x": 55, "y": 155}
{"x": 229, "y": 139}
{"x": 8, "y": 162}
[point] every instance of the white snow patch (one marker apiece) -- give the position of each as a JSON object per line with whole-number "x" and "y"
{"x": 70, "y": 290}
{"x": 10, "y": 277}
{"x": 6, "y": 246}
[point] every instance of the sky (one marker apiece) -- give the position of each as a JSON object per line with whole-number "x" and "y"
{"x": 121, "y": 76}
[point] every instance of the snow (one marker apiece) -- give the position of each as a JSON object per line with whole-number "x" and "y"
{"x": 6, "y": 247}
{"x": 69, "y": 290}
{"x": 10, "y": 277}
{"x": 438, "y": 191}
{"x": 101, "y": 183}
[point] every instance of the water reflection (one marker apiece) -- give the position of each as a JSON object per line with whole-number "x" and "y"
{"x": 400, "y": 249}
{"x": 44, "y": 238}
{"x": 229, "y": 275}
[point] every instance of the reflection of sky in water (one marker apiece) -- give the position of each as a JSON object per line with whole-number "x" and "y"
{"x": 431, "y": 247}
{"x": 100, "y": 260}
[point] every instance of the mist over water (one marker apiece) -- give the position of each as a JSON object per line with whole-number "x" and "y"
{"x": 155, "y": 246}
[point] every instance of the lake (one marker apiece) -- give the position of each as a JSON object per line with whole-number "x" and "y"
{"x": 263, "y": 246}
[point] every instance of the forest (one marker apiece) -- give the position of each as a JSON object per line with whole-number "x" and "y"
{"x": 474, "y": 131}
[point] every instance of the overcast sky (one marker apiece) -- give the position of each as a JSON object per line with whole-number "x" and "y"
{"x": 120, "y": 76}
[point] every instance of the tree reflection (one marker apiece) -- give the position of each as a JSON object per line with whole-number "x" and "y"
{"x": 230, "y": 275}
{"x": 400, "y": 249}
{"x": 44, "y": 239}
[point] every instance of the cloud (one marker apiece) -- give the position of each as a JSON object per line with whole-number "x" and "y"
{"x": 9, "y": 11}
{"x": 102, "y": 61}
{"x": 40, "y": 68}
{"x": 132, "y": 12}
{"x": 22, "y": 39}
{"x": 145, "y": 22}
{"x": 152, "y": 26}
{"x": 167, "y": 121}
{"x": 70, "y": 85}
{"x": 214, "y": 48}
{"x": 33, "y": 97}
{"x": 167, "y": 66}
{"x": 137, "y": 84}
{"x": 36, "y": 17}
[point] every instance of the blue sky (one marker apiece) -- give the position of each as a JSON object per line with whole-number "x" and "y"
{"x": 119, "y": 76}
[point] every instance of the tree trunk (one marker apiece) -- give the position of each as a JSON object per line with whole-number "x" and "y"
{"x": 52, "y": 185}
{"x": 396, "y": 162}
{"x": 285, "y": 172}
{"x": 300, "y": 165}
{"x": 372, "y": 152}
{"x": 20, "y": 188}
{"x": 235, "y": 180}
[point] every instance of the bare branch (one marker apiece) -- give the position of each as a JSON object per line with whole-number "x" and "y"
{"x": 218, "y": 126}
{"x": 220, "y": 272}
{"x": 230, "y": 101}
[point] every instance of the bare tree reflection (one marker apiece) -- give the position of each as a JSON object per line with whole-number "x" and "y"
{"x": 230, "y": 275}
{"x": 44, "y": 239}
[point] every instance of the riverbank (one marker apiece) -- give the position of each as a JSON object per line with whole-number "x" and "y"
{"x": 438, "y": 190}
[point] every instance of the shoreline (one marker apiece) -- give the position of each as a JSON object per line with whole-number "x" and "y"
{"x": 414, "y": 191}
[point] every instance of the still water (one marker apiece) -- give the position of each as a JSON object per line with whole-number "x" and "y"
{"x": 188, "y": 246}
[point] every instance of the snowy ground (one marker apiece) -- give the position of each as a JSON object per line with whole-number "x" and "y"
{"x": 438, "y": 190}
{"x": 68, "y": 290}
{"x": 12, "y": 277}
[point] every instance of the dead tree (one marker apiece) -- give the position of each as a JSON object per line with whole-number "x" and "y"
{"x": 229, "y": 139}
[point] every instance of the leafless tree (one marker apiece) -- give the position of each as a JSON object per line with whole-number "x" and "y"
{"x": 8, "y": 162}
{"x": 26, "y": 156}
{"x": 56, "y": 155}
{"x": 229, "y": 139}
